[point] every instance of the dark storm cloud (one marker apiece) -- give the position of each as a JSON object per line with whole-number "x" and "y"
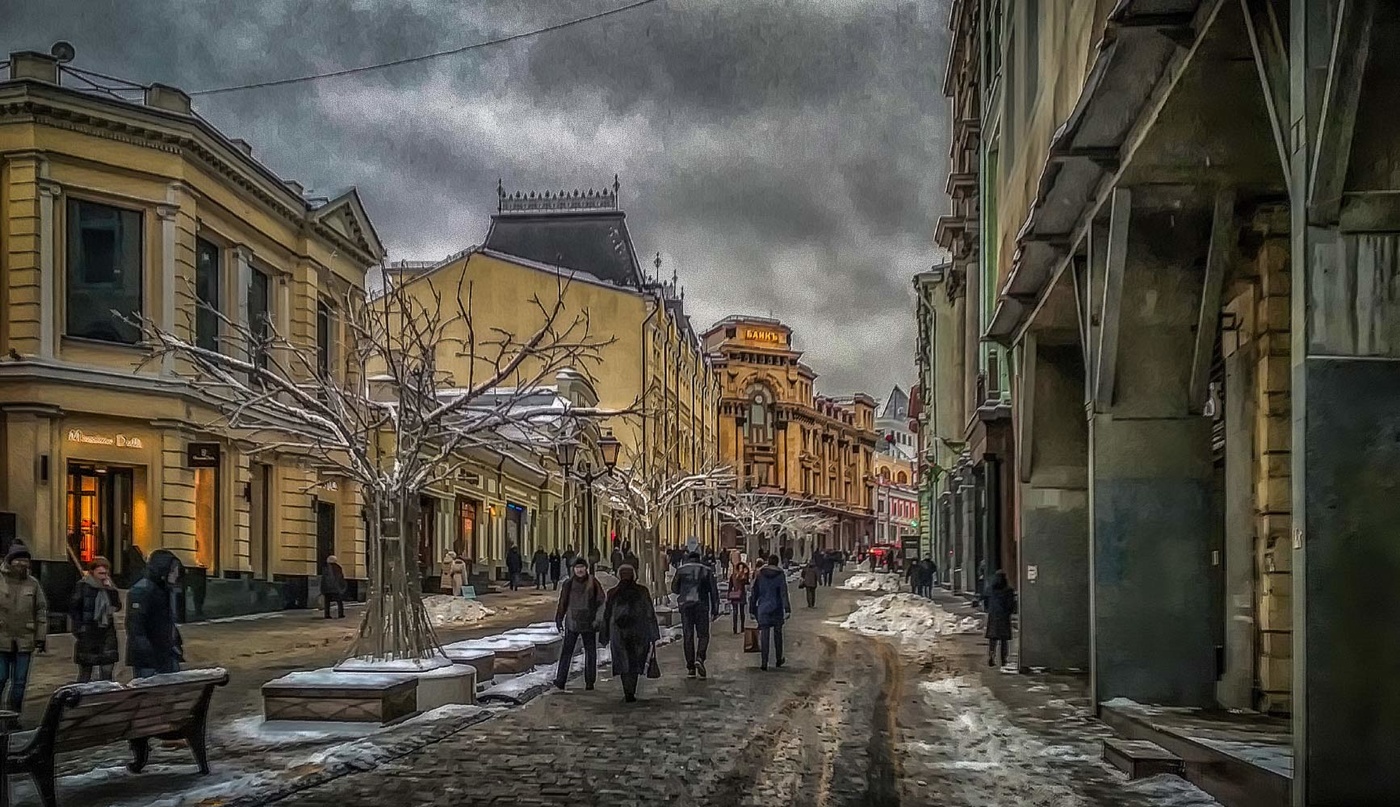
{"x": 786, "y": 157}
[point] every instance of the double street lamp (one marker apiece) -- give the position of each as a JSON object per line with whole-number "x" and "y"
{"x": 566, "y": 451}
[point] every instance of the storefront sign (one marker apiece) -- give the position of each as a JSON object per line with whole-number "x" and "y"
{"x": 756, "y": 335}
{"x": 202, "y": 455}
{"x": 119, "y": 440}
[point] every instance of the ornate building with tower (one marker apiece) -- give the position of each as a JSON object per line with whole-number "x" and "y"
{"x": 784, "y": 438}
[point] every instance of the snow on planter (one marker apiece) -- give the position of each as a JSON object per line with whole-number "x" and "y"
{"x": 330, "y": 695}
{"x": 872, "y": 581}
{"x": 448, "y": 611}
{"x": 440, "y": 682}
{"x": 917, "y": 622}
{"x": 483, "y": 659}
{"x": 548, "y": 646}
{"x": 514, "y": 655}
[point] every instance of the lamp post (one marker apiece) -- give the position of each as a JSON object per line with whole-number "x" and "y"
{"x": 566, "y": 451}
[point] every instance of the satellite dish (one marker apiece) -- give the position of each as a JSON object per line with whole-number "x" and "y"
{"x": 63, "y": 51}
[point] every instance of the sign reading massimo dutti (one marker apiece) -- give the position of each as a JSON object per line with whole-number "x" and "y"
{"x": 202, "y": 455}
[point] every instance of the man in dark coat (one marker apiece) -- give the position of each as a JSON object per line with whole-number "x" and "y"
{"x": 514, "y": 563}
{"x": 554, "y": 568}
{"x": 630, "y": 629}
{"x": 333, "y": 588}
{"x": 811, "y": 577}
{"x": 1000, "y": 602}
{"x": 697, "y": 599}
{"x": 770, "y": 606}
{"x": 153, "y": 644}
{"x": 593, "y": 557}
{"x": 579, "y": 617}
{"x": 616, "y": 558}
{"x": 568, "y": 559}
{"x": 540, "y": 563}
{"x": 828, "y": 567}
{"x": 927, "y": 572}
{"x": 92, "y": 616}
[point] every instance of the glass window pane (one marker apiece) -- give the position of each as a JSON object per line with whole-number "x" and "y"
{"x": 104, "y": 272}
{"x": 323, "y": 339}
{"x": 259, "y": 321}
{"x": 206, "y": 288}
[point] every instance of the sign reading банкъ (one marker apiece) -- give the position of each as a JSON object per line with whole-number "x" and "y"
{"x": 119, "y": 440}
{"x": 756, "y": 335}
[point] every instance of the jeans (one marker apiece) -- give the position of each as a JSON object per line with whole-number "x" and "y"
{"x": 763, "y": 638}
{"x": 590, "y": 657}
{"x": 169, "y": 666}
{"x": 695, "y": 632}
{"x": 339, "y": 601}
{"x": 14, "y": 670}
{"x": 826, "y": 576}
{"x": 992, "y": 650}
{"x": 737, "y": 607}
{"x": 812, "y": 597}
{"x": 539, "y": 581}
{"x": 104, "y": 672}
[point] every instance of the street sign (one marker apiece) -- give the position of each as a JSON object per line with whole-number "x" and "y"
{"x": 910, "y": 546}
{"x": 202, "y": 455}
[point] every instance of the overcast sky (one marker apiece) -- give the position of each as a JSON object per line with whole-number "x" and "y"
{"x": 787, "y": 157}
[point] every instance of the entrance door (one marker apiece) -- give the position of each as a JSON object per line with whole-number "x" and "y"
{"x": 325, "y": 532}
{"x": 99, "y": 513}
{"x": 465, "y": 545}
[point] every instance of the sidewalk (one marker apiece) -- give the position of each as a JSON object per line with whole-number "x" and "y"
{"x": 257, "y": 648}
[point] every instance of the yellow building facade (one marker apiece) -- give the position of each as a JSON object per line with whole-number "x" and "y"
{"x": 142, "y": 207}
{"x": 782, "y": 437}
{"x": 649, "y": 360}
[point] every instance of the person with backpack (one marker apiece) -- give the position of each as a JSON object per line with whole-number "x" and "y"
{"x": 697, "y": 599}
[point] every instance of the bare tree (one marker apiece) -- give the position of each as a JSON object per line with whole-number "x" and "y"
{"x": 760, "y": 516}
{"x": 387, "y": 416}
{"x": 645, "y": 496}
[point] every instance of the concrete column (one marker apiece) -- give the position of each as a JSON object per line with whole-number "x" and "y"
{"x": 168, "y": 291}
{"x": 49, "y": 194}
{"x": 1153, "y": 510}
{"x": 1054, "y": 572}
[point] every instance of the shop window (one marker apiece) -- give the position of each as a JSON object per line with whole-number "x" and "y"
{"x": 259, "y": 317}
{"x": 760, "y": 416}
{"x": 465, "y": 544}
{"x": 206, "y": 289}
{"x": 103, "y": 272}
{"x": 324, "y": 320}
{"x": 206, "y": 518}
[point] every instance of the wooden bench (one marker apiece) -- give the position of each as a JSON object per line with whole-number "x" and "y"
{"x": 83, "y": 716}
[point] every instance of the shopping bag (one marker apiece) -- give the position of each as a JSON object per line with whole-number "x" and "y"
{"x": 653, "y": 669}
{"x": 750, "y": 640}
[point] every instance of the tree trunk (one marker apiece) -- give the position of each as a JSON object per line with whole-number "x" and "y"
{"x": 396, "y": 624}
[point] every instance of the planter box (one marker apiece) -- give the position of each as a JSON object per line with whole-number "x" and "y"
{"x": 512, "y": 655}
{"x": 548, "y": 646}
{"x": 325, "y": 695}
{"x": 483, "y": 661}
{"x": 440, "y": 682}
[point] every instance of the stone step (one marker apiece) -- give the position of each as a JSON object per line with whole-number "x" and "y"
{"x": 1140, "y": 758}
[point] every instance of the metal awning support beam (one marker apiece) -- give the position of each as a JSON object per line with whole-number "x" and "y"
{"x": 1222, "y": 240}
{"x": 1271, "y": 60}
{"x": 1351, "y": 49}
{"x": 1107, "y": 366}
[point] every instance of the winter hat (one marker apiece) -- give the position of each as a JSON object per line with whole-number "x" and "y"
{"x": 99, "y": 561}
{"x": 17, "y": 550}
{"x": 582, "y": 561}
{"x": 332, "y": 559}
{"x": 626, "y": 572}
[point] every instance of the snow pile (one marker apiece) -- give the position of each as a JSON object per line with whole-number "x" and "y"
{"x": 916, "y": 621}
{"x": 872, "y": 581}
{"x": 445, "y": 610}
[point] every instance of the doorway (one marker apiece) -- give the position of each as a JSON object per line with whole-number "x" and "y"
{"x": 100, "y": 516}
{"x": 325, "y": 532}
{"x": 465, "y": 545}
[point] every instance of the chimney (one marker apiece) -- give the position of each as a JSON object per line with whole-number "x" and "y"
{"x": 242, "y": 145}
{"x": 33, "y": 65}
{"x": 168, "y": 98}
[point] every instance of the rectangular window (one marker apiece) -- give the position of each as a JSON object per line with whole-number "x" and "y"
{"x": 206, "y": 290}
{"x": 259, "y": 317}
{"x": 103, "y": 278}
{"x": 323, "y": 339}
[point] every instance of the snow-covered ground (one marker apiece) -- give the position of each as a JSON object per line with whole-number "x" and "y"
{"x": 915, "y": 621}
{"x": 980, "y": 758}
{"x": 872, "y": 581}
{"x": 448, "y": 611}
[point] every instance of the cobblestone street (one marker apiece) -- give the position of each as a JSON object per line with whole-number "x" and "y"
{"x": 848, "y": 721}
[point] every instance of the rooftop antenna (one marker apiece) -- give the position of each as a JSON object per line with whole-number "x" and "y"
{"x": 657, "y": 264}
{"x": 63, "y": 51}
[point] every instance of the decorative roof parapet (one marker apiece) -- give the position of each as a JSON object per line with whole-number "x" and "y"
{"x": 557, "y": 201}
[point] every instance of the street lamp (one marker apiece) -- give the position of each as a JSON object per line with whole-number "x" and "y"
{"x": 566, "y": 451}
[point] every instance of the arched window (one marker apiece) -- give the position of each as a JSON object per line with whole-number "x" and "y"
{"x": 903, "y": 478}
{"x": 760, "y": 415}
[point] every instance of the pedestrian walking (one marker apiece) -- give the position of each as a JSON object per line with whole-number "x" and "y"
{"x": 738, "y": 587}
{"x": 539, "y": 562}
{"x": 828, "y": 566}
{"x": 841, "y": 560}
{"x": 554, "y": 569}
{"x": 92, "y": 619}
{"x": 579, "y": 617}
{"x": 453, "y": 574}
{"x": 333, "y": 587}
{"x": 514, "y": 563}
{"x": 568, "y": 559}
{"x": 911, "y": 575}
{"x": 153, "y": 644}
{"x": 1000, "y": 601}
{"x": 811, "y": 575}
{"x": 771, "y": 607}
{"x": 927, "y": 572}
{"x": 697, "y": 599}
{"x": 616, "y": 558}
{"x": 630, "y": 629}
{"x": 593, "y": 557}
{"x": 24, "y": 621}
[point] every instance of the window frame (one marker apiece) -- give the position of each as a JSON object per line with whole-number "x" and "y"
{"x": 70, "y": 222}
{"x": 257, "y": 352}
{"x": 203, "y": 306}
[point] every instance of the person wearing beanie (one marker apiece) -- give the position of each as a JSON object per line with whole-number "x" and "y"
{"x": 153, "y": 644}
{"x": 92, "y": 617}
{"x": 580, "y": 609}
{"x": 24, "y": 620}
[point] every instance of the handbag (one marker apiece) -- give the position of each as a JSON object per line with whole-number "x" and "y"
{"x": 653, "y": 669}
{"x": 750, "y": 640}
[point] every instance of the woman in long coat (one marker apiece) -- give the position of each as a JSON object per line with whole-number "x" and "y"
{"x": 1000, "y": 600}
{"x": 738, "y": 593}
{"x": 92, "y": 613}
{"x": 630, "y": 629}
{"x": 454, "y": 574}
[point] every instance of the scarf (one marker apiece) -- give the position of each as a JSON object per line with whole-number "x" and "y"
{"x": 101, "y": 603}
